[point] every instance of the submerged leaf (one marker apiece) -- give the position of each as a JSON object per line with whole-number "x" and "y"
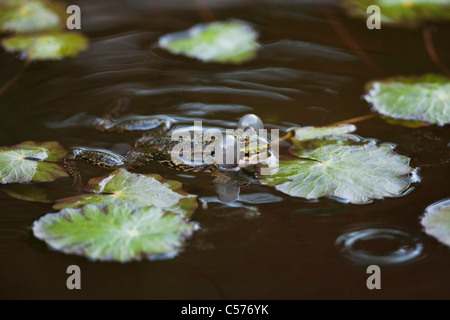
{"x": 353, "y": 173}
{"x": 308, "y": 133}
{"x": 411, "y": 13}
{"x": 224, "y": 42}
{"x": 425, "y": 98}
{"x": 31, "y": 161}
{"x": 27, "y": 16}
{"x": 140, "y": 190}
{"x": 115, "y": 232}
{"x": 405, "y": 123}
{"x": 27, "y": 192}
{"x": 436, "y": 221}
{"x": 54, "y": 46}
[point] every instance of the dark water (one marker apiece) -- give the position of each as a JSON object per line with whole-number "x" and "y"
{"x": 304, "y": 75}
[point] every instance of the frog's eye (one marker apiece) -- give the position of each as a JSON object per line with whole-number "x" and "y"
{"x": 242, "y": 139}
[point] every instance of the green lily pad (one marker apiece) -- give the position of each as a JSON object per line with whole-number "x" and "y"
{"x": 308, "y": 133}
{"x": 436, "y": 221}
{"x": 55, "y": 151}
{"x": 31, "y": 161}
{"x": 115, "y": 233}
{"x": 141, "y": 190}
{"x": 410, "y": 13}
{"x": 425, "y": 98}
{"x": 224, "y": 42}
{"x": 352, "y": 173}
{"x": 27, "y": 192}
{"x": 310, "y": 138}
{"x": 28, "y": 16}
{"x": 53, "y": 46}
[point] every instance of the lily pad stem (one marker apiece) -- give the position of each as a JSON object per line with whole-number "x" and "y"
{"x": 347, "y": 38}
{"x": 427, "y": 38}
{"x": 355, "y": 120}
{"x": 13, "y": 80}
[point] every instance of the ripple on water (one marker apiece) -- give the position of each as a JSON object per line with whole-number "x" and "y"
{"x": 380, "y": 246}
{"x": 294, "y": 49}
{"x": 202, "y": 109}
{"x": 141, "y": 90}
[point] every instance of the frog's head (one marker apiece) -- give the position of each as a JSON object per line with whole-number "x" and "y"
{"x": 249, "y": 140}
{"x": 242, "y": 149}
{"x": 253, "y": 146}
{"x": 252, "y": 140}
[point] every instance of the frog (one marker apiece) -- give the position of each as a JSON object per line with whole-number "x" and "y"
{"x": 158, "y": 144}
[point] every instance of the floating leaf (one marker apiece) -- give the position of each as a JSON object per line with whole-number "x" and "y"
{"x": 53, "y": 46}
{"x": 308, "y": 133}
{"x": 405, "y": 123}
{"x": 55, "y": 151}
{"x": 31, "y": 161}
{"x": 425, "y": 98}
{"x": 115, "y": 233}
{"x": 436, "y": 221}
{"x": 224, "y": 42}
{"x": 309, "y": 138}
{"x": 27, "y": 16}
{"x": 353, "y": 173}
{"x": 27, "y": 192}
{"x": 141, "y": 190}
{"x": 411, "y": 13}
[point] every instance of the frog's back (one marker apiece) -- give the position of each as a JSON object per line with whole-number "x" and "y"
{"x": 180, "y": 154}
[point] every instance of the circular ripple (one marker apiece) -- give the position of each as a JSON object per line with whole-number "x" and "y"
{"x": 392, "y": 246}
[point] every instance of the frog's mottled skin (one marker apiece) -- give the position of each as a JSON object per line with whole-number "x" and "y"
{"x": 159, "y": 147}
{"x": 155, "y": 145}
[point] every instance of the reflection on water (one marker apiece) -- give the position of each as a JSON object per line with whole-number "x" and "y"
{"x": 228, "y": 202}
{"x": 227, "y": 191}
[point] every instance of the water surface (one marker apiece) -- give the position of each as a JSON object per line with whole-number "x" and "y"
{"x": 304, "y": 75}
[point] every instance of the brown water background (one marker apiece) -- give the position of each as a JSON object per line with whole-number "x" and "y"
{"x": 304, "y": 75}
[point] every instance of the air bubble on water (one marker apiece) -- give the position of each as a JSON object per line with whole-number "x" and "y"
{"x": 415, "y": 178}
